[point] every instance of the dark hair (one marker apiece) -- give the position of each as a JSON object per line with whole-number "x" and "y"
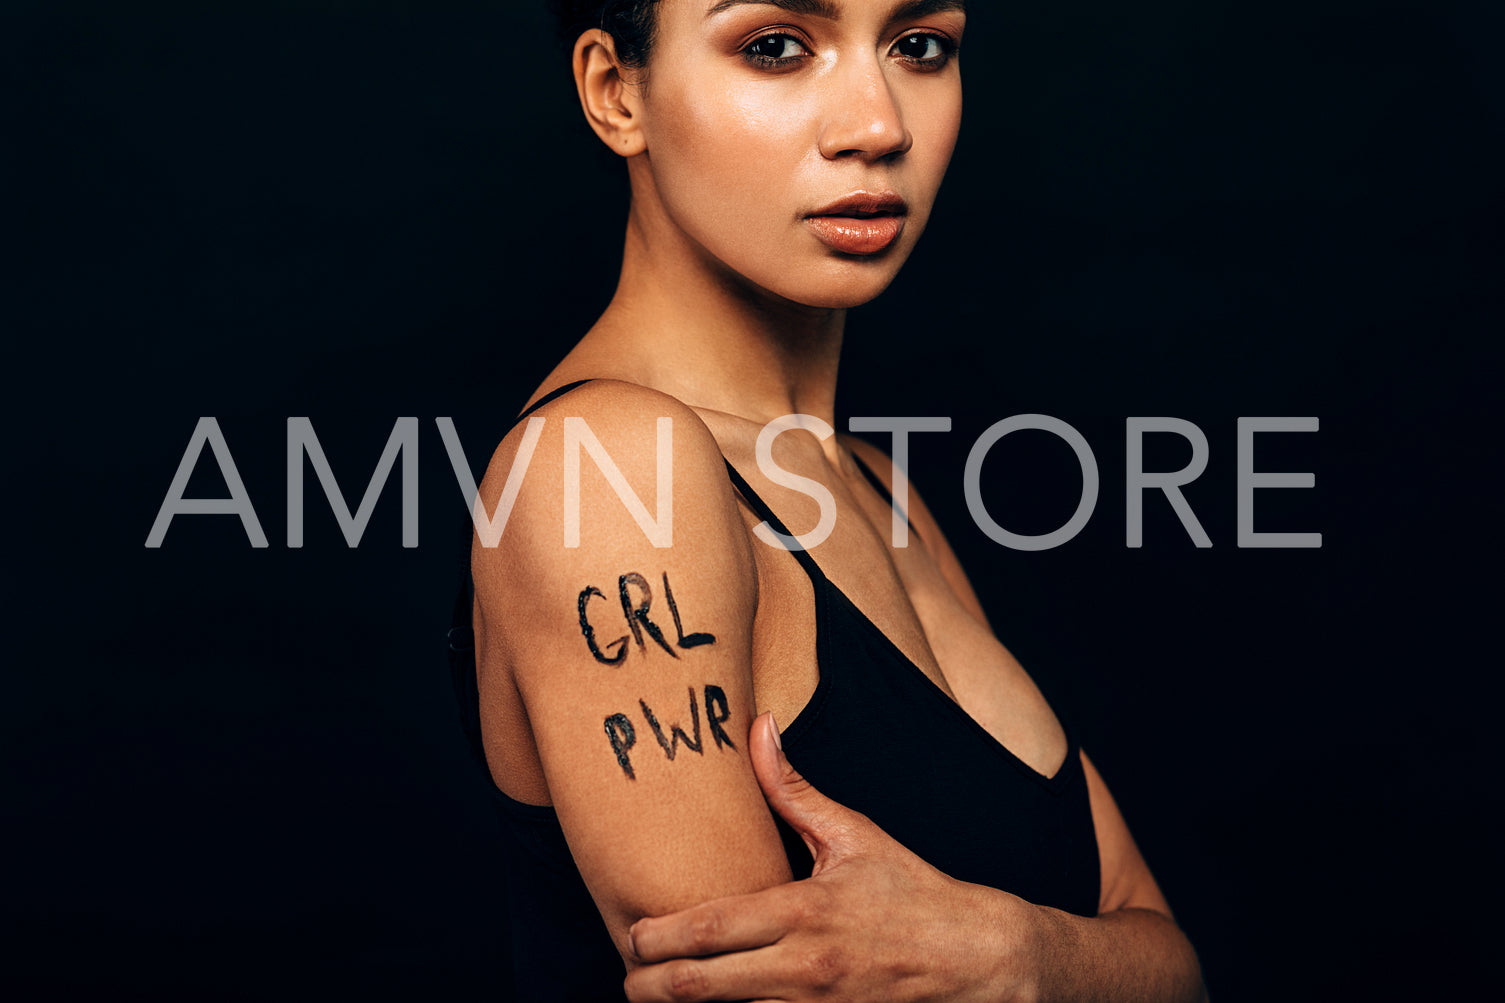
{"x": 630, "y": 23}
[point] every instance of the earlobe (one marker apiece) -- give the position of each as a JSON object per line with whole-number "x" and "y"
{"x": 608, "y": 93}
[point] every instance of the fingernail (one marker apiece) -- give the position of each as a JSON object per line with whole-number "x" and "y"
{"x": 632, "y": 943}
{"x": 778, "y": 743}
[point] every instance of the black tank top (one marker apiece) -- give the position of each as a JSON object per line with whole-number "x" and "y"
{"x": 878, "y": 736}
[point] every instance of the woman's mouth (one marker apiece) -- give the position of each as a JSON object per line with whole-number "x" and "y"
{"x": 863, "y": 223}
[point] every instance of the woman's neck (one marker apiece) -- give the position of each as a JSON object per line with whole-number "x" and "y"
{"x": 682, "y": 323}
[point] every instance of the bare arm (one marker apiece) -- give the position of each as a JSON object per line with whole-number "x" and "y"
{"x": 1125, "y": 956}
{"x": 1134, "y": 949}
{"x": 632, "y": 661}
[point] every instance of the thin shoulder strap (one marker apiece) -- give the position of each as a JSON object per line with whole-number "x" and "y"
{"x": 760, "y": 507}
{"x": 552, "y": 395}
{"x": 883, "y": 492}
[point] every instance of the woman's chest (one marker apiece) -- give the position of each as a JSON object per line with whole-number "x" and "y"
{"x": 878, "y": 604}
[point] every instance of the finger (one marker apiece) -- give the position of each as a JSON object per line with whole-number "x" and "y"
{"x": 824, "y": 824}
{"x": 734, "y": 923}
{"x": 745, "y": 975}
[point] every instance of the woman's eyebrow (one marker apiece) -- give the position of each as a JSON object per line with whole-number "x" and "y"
{"x": 924, "y": 8}
{"x": 814, "y": 8}
{"x": 832, "y": 11}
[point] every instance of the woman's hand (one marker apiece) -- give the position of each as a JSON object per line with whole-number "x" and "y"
{"x": 872, "y": 922}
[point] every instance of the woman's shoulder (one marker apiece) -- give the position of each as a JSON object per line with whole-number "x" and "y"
{"x": 606, "y": 406}
{"x": 608, "y": 466}
{"x": 604, "y": 393}
{"x": 565, "y": 417}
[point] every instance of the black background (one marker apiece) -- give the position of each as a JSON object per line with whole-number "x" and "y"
{"x": 237, "y": 773}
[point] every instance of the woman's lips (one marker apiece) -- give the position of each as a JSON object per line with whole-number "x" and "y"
{"x": 857, "y": 235}
{"x": 861, "y": 222}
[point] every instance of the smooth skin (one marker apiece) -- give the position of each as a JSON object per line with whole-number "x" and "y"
{"x": 730, "y": 313}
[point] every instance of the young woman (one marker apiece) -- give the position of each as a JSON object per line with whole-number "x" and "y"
{"x": 685, "y": 570}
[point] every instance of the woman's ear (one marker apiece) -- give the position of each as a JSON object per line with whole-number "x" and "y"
{"x": 609, "y": 93}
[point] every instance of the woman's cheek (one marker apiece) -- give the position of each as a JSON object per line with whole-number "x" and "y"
{"x": 731, "y": 160}
{"x": 746, "y": 136}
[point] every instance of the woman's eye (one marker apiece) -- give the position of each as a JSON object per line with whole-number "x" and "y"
{"x": 771, "y": 50}
{"x": 924, "y": 48}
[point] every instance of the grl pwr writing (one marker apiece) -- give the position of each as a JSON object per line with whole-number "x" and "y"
{"x": 636, "y": 599}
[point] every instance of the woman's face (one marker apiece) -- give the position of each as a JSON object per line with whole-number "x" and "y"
{"x": 802, "y": 142}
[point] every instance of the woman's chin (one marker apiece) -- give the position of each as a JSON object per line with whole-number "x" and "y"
{"x": 841, "y": 301}
{"x": 850, "y": 284}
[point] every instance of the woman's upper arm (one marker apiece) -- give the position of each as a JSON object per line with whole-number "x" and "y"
{"x": 1126, "y": 879}
{"x": 633, "y": 661}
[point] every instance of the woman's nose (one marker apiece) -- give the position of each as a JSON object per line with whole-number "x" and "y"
{"x": 862, "y": 117}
